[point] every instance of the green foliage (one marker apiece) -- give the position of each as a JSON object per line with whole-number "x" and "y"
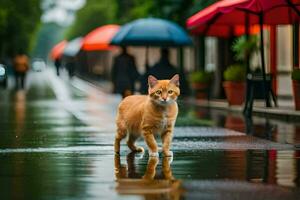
{"x": 94, "y": 14}
{"x": 200, "y": 77}
{"x": 175, "y": 10}
{"x": 199, "y": 5}
{"x": 190, "y": 119}
{"x": 19, "y": 21}
{"x": 142, "y": 9}
{"x": 296, "y": 74}
{"x": 128, "y": 10}
{"x": 100, "y": 12}
{"x": 242, "y": 47}
{"x": 236, "y": 73}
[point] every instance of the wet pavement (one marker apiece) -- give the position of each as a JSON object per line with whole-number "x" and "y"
{"x": 57, "y": 143}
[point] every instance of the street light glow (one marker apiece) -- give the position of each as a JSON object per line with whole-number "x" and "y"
{"x": 2, "y": 70}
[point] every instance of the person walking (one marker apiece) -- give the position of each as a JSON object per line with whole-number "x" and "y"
{"x": 163, "y": 69}
{"x": 21, "y": 66}
{"x": 57, "y": 64}
{"x": 124, "y": 73}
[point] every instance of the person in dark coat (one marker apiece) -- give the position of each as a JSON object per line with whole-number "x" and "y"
{"x": 163, "y": 69}
{"x": 124, "y": 73}
{"x": 57, "y": 64}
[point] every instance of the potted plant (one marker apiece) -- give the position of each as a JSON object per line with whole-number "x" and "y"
{"x": 243, "y": 47}
{"x": 235, "y": 75}
{"x": 200, "y": 83}
{"x": 296, "y": 87}
{"x": 234, "y": 84}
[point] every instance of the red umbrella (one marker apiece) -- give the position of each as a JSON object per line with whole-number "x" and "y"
{"x": 246, "y": 12}
{"x": 58, "y": 49}
{"x": 100, "y": 38}
{"x": 239, "y": 12}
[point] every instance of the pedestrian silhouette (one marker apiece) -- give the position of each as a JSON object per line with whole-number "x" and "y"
{"x": 124, "y": 74}
{"x": 21, "y": 66}
{"x": 70, "y": 66}
{"x": 57, "y": 64}
{"x": 163, "y": 69}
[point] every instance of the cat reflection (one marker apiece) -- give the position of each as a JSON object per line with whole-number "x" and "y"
{"x": 149, "y": 185}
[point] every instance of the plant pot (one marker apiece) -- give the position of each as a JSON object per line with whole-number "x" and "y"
{"x": 296, "y": 90}
{"x": 201, "y": 90}
{"x": 235, "y": 92}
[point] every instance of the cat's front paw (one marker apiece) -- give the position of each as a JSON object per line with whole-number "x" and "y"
{"x": 168, "y": 153}
{"x": 153, "y": 154}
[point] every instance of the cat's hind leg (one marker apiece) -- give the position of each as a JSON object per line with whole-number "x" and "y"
{"x": 121, "y": 134}
{"x": 131, "y": 144}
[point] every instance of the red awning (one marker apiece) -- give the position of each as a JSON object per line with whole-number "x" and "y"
{"x": 225, "y": 31}
{"x": 58, "y": 49}
{"x": 100, "y": 38}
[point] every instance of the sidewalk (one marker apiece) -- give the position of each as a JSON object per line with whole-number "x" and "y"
{"x": 284, "y": 111}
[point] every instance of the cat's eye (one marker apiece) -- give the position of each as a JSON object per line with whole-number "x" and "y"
{"x": 158, "y": 92}
{"x": 170, "y": 92}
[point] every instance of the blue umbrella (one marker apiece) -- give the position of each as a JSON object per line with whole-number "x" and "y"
{"x": 151, "y": 32}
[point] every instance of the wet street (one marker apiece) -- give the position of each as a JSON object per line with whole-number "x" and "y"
{"x": 57, "y": 143}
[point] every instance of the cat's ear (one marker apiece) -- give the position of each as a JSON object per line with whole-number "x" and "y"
{"x": 152, "y": 81}
{"x": 175, "y": 80}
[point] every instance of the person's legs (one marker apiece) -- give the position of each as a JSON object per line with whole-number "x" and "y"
{"x": 57, "y": 70}
{"x": 16, "y": 80}
{"x": 22, "y": 77}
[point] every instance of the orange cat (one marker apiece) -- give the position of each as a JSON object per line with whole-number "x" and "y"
{"x": 156, "y": 113}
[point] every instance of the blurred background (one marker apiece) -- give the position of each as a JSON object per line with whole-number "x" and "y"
{"x": 36, "y": 26}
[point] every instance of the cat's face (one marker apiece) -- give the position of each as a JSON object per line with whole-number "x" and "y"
{"x": 164, "y": 92}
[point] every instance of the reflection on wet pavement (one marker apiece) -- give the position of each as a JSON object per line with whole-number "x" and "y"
{"x": 152, "y": 184}
{"x": 57, "y": 143}
{"x": 283, "y": 132}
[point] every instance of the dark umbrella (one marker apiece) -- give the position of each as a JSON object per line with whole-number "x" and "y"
{"x": 151, "y": 32}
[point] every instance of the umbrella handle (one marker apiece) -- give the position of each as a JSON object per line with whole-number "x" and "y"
{"x": 266, "y": 93}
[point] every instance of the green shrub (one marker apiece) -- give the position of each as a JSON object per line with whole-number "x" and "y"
{"x": 236, "y": 73}
{"x": 242, "y": 46}
{"x": 296, "y": 74}
{"x": 201, "y": 77}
